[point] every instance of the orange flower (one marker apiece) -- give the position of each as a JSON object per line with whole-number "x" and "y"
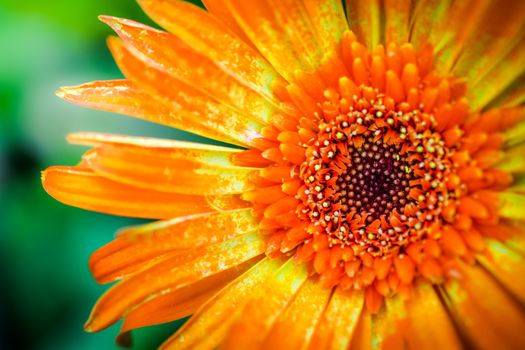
{"x": 377, "y": 200}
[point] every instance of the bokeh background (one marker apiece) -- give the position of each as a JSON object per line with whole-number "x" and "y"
{"x": 46, "y": 291}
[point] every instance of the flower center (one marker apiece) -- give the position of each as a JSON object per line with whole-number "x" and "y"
{"x": 375, "y": 174}
{"x": 380, "y": 178}
{"x": 378, "y": 182}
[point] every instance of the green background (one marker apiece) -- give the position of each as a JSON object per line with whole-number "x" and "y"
{"x": 46, "y": 290}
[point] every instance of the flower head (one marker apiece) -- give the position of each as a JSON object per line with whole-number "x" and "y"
{"x": 378, "y": 183}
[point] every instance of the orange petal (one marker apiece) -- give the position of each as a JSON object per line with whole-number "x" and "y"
{"x": 500, "y": 77}
{"x": 389, "y": 325}
{"x": 426, "y": 17}
{"x": 264, "y": 195}
{"x": 282, "y": 206}
{"x": 494, "y": 120}
{"x": 506, "y": 265}
{"x": 514, "y": 161}
{"x": 98, "y": 139}
{"x": 178, "y": 170}
{"x": 218, "y": 10}
{"x": 81, "y": 187}
{"x": 405, "y": 268}
{"x": 442, "y": 334}
{"x": 516, "y": 238}
{"x": 498, "y": 31}
{"x": 511, "y": 205}
{"x": 124, "y": 97}
{"x": 377, "y": 72}
{"x": 337, "y": 326}
{"x": 197, "y": 108}
{"x": 177, "y": 272}
{"x": 328, "y": 20}
{"x": 410, "y": 77}
{"x": 454, "y": 27}
{"x": 278, "y": 174}
{"x": 364, "y": 18}
{"x": 208, "y": 326}
{"x": 394, "y": 87}
{"x": 362, "y": 337}
{"x": 452, "y": 242}
{"x": 213, "y": 39}
{"x": 293, "y": 329}
{"x": 484, "y": 312}
{"x": 382, "y": 267}
{"x": 182, "y": 302}
{"x": 473, "y": 208}
{"x": 397, "y": 13}
{"x": 431, "y": 269}
{"x": 281, "y": 31}
{"x": 373, "y": 300}
{"x": 168, "y": 53}
{"x": 267, "y": 302}
{"x": 474, "y": 240}
{"x": 137, "y": 246}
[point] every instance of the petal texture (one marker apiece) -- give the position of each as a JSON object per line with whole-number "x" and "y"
{"x": 83, "y": 188}
{"x": 164, "y": 165}
{"x": 195, "y": 106}
{"x": 265, "y": 306}
{"x": 171, "y": 55}
{"x": 125, "y": 97}
{"x": 209, "y": 325}
{"x": 484, "y": 311}
{"x": 182, "y": 302}
{"x": 294, "y": 328}
{"x": 212, "y": 38}
{"x": 339, "y": 321}
{"x": 172, "y": 274}
{"x": 137, "y": 247}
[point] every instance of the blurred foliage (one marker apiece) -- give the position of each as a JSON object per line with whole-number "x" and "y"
{"x": 47, "y": 291}
{"x": 77, "y": 16}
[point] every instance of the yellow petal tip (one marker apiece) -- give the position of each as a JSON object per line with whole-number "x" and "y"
{"x": 60, "y": 93}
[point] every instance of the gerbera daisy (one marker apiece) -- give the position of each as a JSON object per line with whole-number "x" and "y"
{"x": 375, "y": 198}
